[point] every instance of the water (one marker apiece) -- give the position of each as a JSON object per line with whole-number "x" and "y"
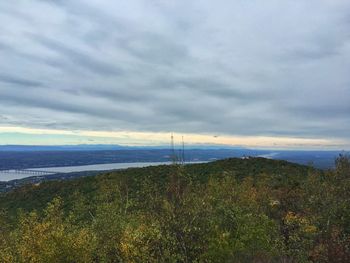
{"x": 268, "y": 155}
{"x": 12, "y": 175}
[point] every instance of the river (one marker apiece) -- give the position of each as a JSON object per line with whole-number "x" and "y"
{"x": 12, "y": 174}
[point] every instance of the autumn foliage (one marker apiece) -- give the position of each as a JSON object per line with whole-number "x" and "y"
{"x": 234, "y": 210}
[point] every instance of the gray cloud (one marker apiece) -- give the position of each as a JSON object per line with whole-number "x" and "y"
{"x": 231, "y": 67}
{"x": 18, "y": 81}
{"x": 79, "y": 59}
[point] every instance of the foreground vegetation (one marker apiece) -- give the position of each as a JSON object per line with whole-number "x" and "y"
{"x": 234, "y": 210}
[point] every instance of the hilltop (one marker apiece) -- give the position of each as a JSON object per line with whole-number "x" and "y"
{"x": 232, "y": 210}
{"x": 36, "y": 196}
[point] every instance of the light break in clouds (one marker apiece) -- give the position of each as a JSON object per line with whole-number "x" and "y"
{"x": 274, "y": 69}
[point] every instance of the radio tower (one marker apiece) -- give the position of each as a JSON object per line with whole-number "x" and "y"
{"x": 183, "y": 151}
{"x": 173, "y": 156}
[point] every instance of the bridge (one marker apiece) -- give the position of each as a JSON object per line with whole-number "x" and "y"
{"x": 27, "y": 171}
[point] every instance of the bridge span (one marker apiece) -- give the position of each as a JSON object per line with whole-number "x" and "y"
{"x": 27, "y": 171}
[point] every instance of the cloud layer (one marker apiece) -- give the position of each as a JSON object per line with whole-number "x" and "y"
{"x": 251, "y": 68}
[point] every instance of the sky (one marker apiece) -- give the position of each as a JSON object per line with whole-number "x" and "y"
{"x": 272, "y": 73}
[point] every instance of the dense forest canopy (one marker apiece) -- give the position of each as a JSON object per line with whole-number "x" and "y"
{"x": 234, "y": 210}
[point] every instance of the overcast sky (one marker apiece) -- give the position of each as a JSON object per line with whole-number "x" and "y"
{"x": 233, "y": 69}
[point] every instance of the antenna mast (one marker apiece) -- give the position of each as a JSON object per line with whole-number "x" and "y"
{"x": 173, "y": 159}
{"x": 183, "y": 150}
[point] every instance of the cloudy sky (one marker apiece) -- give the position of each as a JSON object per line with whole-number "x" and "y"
{"x": 257, "y": 73}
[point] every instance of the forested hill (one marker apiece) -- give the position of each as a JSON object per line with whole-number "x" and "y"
{"x": 233, "y": 210}
{"x": 37, "y": 196}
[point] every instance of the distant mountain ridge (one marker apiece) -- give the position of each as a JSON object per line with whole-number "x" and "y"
{"x": 103, "y": 147}
{"x": 81, "y": 147}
